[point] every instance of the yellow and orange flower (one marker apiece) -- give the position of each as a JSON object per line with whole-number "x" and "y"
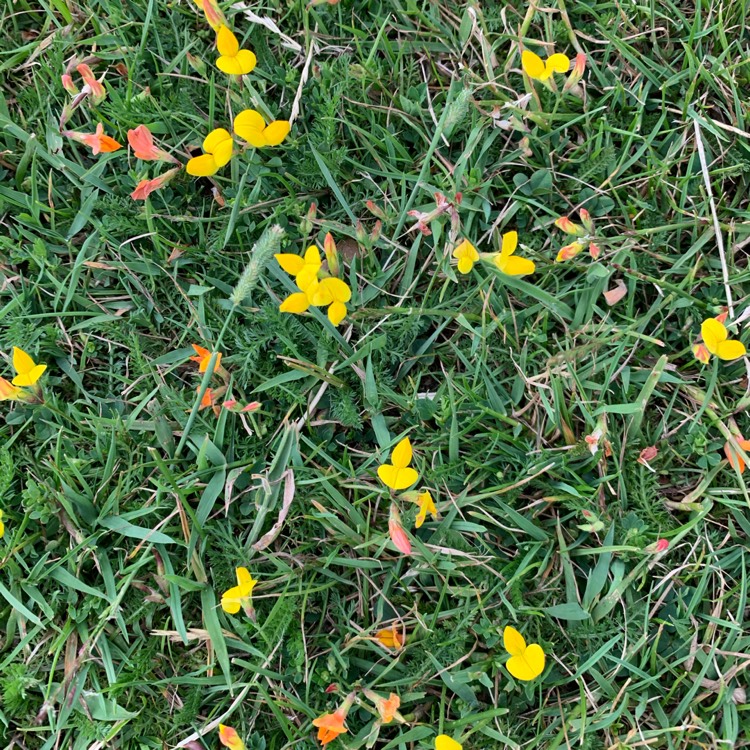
{"x": 203, "y": 356}
{"x": 390, "y": 638}
{"x": 98, "y": 142}
{"x": 735, "y": 460}
{"x": 330, "y": 726}
{"x": 229, "y": 738}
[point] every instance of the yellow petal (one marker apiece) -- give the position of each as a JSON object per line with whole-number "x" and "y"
{"x": 528, "y": 665}
{"x": 444, "y": 742}
{"x": 338, "y": 289}
{"x": 402, "y": 454}
{"x": 510, "y": 243}
{"x": 557, "y": 63}
{"x": 229, "y": 65}
{"x": 388, "y": 475}
{"x": 291, "y": 263}
{"x": 214, "y": 139}
{"x": 404, "y": 478}
{"x": 295, "y": 303}
{"x": 713, "y": 334}
{"x": 336, "y": 312}
{"x": 312, "y": 256}
{"x": 230, "y": 606}
{"x": 226, "y": 42}
{"x": 202, "y": 166}
{"x": 2, "y": 529}
{"x": 223, "y": 153}
{"x": 244, "y": 580}
{"x": 276, "y": 132}
{"x": 307, "y": 276}
{"x": 513, "y": 642}
{"x": 515, "y": 266}
{"x": 249, "y": 126}
{"x": 246, "y": 61}
{"x": 532, "y": 64}
{"x": 29, "y": 378}
{"x": 465, "y": 264}
{"x": 731, "y": 349}
{"x": 22, "y": 362}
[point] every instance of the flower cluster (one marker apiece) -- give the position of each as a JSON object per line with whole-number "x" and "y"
{"x": 585, "y": 237}
{"x": 318, "y": 287}
{"x": 505, "y": 261}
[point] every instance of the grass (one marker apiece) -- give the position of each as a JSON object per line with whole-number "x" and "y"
{"x": 126, "y": 509}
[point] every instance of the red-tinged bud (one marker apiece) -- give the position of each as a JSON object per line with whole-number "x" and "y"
{"x": 441, "y": 201}
{"x": 457, "y": 200}
{"x": 68, "y": 85}
{"x": 579, "y": 66}
{"x": 587, "y": 221}
{"x": 722, "y": 316}
{"x": 332, "y": 255}
{"x": 376, "y": 231}
{"x": 648, "y": 454}
{"x": 375, "y": 210}
{"x": 196, "y": 63}
{"x": 361, "y": 233}
{"x": 397, "y": 533}
{"x": 594, "y": 250}
{"x": 568, "y": 226}
{"x": 332, "y": 688}
{"x": 252, "y": 406}
{"x": 701, "y": 353}
{"x": 569, "y": 251}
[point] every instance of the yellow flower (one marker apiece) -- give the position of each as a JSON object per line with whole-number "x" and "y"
{"x": 218, "y": 147}
{"x": 233, "y": 61}
{"x": 716, "y": 338}
{"x": 466, "y": 255}
{"x": 239, "y": 595}
{"x": 444, "y": 742}
{"x": 250, "y": 126}
{"x": 332, "y": 292}
{"x": 28, "y": 371}
{"x": 229, "y": 738}
{"x": 8, "y": 392}
{"x": 329, "y": 291}
{"x": 390, "y": 638}
{"x": 426, "y": 505}
{"x": 398, "y": 475}
{"x": 305, "y": 270}
{"x": 510, "y": 264}
{"x": 569, "y": 251}
{"x": 526, "y": 662}
{"x": 2, "y": 525}
{"x": 539, "y": 70}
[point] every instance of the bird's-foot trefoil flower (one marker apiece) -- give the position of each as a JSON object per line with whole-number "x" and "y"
{"x": 229, "y": 738}
{"x": 251, "y": 127}
{"x": 9, "y": 392}
{"x": 332, "y": 255}
{"x": 735, "y": 459}
{"x": 2, "y": 525}
{"x": 511, "y": 264}
{"x": 585, "y": 236}
{"x": 444, "y": 742}
{"x": 330, "y": 726}
{"x": 398, "y": 475}
{"x": 396, "y": 531}
{"x": 145, "y": 187}
{"x": 390, "y": 638}
{"x": 142, "y": 142}
{"x": 213, "y": 13}
{"x": 466, "y": 255}
{"x": 217, "y": 147}
{"x": 526, "y": 661}
{"x": 98, "y": 142}
{"x": 203, "y": 356}
{"x": 386, "y": 707}
{"x": 28, "y": 372}
{"x": 543, "y": 70}
{"x": 305, "y": 268}
{"x": 579, "y": 65}
{"x": 717, "y": 341}
{"x": 69, "y": 84}
{"x": 241, "y": 595}
{"x": 95, "y": 87}
{"x": 233, "y": 61}
{"x": 426, "y": 505}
